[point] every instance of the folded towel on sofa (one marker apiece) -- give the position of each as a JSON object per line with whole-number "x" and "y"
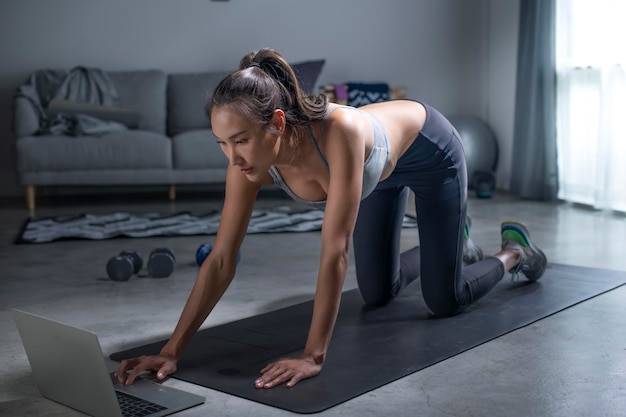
{"x": 70, "y": 108}
{"x": 341, "y": 93}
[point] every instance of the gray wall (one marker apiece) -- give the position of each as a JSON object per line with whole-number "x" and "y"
{"x": 458, "y": 55}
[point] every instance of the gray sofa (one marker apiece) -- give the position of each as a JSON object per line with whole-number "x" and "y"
{"x": 171, "y": 144}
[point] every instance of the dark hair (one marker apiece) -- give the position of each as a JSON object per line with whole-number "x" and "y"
{"x": 266, "y": 82}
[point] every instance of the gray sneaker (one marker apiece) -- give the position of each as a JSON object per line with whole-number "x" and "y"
{"x": 533, "y": 263}
{"x": 471, "y": 252}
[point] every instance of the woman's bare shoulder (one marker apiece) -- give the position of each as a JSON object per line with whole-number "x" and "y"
{"x": 344, "y": 120}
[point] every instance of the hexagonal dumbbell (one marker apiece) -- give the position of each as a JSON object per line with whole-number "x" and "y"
{"x": 203, "y": 252}
{"x": 124, "y": 265}
{"x": 161, "y": 263}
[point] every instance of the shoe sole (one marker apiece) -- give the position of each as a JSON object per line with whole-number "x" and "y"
{"x": 522, "y": 230}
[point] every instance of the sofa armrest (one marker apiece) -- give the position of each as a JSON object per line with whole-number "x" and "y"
{"x": 25, "y": 118}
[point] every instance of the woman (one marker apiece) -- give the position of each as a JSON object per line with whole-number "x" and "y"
{"x": 359, "y": 165}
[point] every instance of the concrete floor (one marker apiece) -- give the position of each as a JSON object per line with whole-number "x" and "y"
{"x": 569, "y": 364}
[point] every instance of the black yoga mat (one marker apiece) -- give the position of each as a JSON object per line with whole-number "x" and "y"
{"x": 372, "y": 346}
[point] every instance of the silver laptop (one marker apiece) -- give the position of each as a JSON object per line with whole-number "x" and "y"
{"x": 69, "y": 367}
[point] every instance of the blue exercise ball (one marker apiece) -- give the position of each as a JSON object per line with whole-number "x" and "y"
{"x": 479, "y": 142}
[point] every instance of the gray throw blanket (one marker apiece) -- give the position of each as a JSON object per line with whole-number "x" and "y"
{"x": 80, "y": 84}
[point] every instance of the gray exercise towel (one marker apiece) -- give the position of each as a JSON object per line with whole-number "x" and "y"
{"x": 279, "y": 219}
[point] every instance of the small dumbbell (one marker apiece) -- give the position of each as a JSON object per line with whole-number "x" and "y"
{"x": 161, "y": 263}
{"x": 204, "y": 250}
{"x": 124, "y": 265}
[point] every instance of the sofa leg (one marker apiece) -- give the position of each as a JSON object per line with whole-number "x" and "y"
{"x": 30, "y": 197}
{"x": 172, "y": 192}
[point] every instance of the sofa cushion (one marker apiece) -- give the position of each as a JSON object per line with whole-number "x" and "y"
{"x": 187, "y": 95}
{"x": 144, "y": 91}
{"x": 197, "y": 149}
{"x": 307, "y": 73}
{"x": 131, "y": 149}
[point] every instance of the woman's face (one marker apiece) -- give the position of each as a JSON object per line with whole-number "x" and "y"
{"x": 246, "y": 144}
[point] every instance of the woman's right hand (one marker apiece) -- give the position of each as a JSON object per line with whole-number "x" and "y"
{"x": 164, "y": 365}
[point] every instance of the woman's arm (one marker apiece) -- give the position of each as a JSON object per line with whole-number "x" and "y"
{"x": 345, "y": 152}
{"x": 214, "y": 277}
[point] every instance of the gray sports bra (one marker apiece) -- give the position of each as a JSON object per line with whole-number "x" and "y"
{"x": 372, "y": 170}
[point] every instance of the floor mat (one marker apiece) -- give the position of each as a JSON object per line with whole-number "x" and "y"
{"x": 372, "y": 347}
{"x": 107, "y": 226}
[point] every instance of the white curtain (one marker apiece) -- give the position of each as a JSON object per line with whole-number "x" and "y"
{"x": 591, "y": 102}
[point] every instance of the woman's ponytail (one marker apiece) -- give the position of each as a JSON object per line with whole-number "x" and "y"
{"x": 266, "y": 82}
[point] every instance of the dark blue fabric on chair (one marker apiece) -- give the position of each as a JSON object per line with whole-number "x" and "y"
{"x": 360, "y": 94}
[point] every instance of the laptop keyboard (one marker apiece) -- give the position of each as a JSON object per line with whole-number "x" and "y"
{"x": 136, "y": 407}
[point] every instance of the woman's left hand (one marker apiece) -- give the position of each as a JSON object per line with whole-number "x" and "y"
{"x": 288, "y": 370}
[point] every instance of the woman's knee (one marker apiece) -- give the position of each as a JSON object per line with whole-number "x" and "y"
{"x": 375, "y": 298}
{"x": 443, "y": 305}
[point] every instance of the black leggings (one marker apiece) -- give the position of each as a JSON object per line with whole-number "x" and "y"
{"x": 434, "y": 169}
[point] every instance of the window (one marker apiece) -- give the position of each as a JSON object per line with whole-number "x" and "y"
{"x": 591, "y": 102}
